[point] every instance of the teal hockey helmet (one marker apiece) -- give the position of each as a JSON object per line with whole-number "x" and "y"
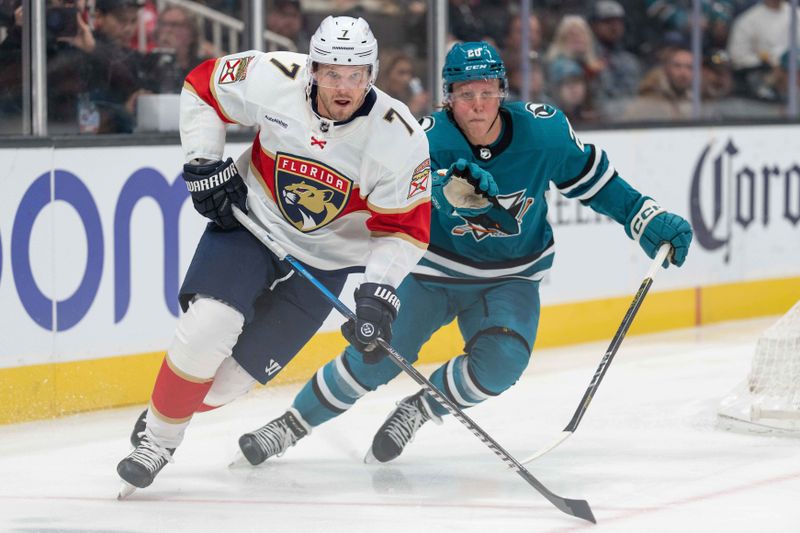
{"x": 472, "y": 61}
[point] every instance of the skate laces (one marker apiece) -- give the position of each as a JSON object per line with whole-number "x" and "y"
{"x": 406, "y": 420}
{"x": 150, "y": 455}
{"x": 276, "y": 437}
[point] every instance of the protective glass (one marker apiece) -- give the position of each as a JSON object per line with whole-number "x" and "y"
{"x": 342, "y": 76}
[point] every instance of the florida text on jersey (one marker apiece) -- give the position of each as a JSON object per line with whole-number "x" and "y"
{"x": 333, "y": 194}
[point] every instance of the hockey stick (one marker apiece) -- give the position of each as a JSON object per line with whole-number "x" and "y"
{"x": 609, "y": 355}
{"x": 578, "y": 508}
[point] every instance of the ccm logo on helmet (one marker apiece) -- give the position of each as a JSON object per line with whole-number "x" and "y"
{"x": 475, "y": 67}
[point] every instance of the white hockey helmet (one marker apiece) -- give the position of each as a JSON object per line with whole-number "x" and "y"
{"x": 343, "y": 41}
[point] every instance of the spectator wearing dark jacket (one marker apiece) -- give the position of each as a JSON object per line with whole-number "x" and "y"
{"x": 113, "y": 68}
{"x": 621, "y": 74}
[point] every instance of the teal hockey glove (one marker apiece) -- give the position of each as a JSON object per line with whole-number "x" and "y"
{"x": 464, "y": 189}
{"x": 650, "y": 226}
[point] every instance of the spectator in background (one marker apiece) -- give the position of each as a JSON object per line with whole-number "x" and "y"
{"x": 396, "y": 78}
{"x": 112, "y": 70}
{"x": 177, "y": 52}
{"x": 573, "y": 40}
{"x": 570, "y": 90}
{"x": 465, "y": 24}
{"x": 719, "y": 99}
{"x": 759, "y": 35}
{"x": 143, "y": 38}
{"x": 665, "y": 91}
{"x": 513, "y": 39}
{"x": 536, "y": 80}
{"x": 717, "y": 76}
{"x": 665, "y": 16}
{"x": 285, "y": 17}
{"x": 621, "y": 73}
{"x": 780, "y": 77}
{"x": 719, "y": 16}
{"x": 68, "y": 40}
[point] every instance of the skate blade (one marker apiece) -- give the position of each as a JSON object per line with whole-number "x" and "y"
{"x": 370, "y": 459}
{"x": 239, "y": 461}
{"x": 125, "y": 490}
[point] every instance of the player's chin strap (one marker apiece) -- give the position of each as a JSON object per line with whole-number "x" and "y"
{"x": 495, "y": 118}
{"x": 578, "y": 508}
{"x": 655, "y": 266}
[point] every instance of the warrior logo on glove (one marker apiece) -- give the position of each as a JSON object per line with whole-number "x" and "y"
{"x": 215, "y": 187}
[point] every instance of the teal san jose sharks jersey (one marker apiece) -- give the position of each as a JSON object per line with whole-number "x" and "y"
{"x": 537, "y": 146}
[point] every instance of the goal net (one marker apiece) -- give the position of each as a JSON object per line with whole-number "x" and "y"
{"x": 769, "y": 400}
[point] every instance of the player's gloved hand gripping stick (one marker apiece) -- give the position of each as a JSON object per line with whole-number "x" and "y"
{"x": 658, "y": 261}
{"x": 578, "y": 508}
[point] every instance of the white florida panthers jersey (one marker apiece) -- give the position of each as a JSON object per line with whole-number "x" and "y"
{"x": 333, "y": 194}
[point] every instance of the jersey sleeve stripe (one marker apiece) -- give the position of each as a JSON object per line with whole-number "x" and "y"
{"x": 405, "y": 209}
{"x": 599, "y": 172}
{"x": 201, "y": 78}
{"x": 414, "y": 224}
{"x": 599, "y": 184}
{"x": 588, "y": 169}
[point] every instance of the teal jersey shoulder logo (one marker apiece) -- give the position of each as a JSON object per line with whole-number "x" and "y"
{"x": 540, "y": 110}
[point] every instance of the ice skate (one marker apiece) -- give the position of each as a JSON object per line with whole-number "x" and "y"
{"x": 139, "y": 469}
{"x": 400, "y": 427}
{"x": 274, "y": 438}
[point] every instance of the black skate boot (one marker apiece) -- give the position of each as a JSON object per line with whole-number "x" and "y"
{"x": 138, "y": 429}
{"x": 139, "y": 469}
{"x": 274, "y": 438}
{"x": 400, "y": 428}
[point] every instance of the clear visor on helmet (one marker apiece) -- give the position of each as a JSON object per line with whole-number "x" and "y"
{"x": 342, "y": 76}
{"x": 470, "y": 92}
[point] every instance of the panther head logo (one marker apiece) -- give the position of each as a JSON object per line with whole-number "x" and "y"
{"x": 312, "y": 203}
{"x": 309, "y": 193}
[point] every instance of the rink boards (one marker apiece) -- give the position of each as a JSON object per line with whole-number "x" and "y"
{"x": 94, "y": 242}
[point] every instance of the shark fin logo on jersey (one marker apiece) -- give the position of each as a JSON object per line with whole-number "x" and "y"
{"x": 540, "y": 110}
{"x": 310, "y": 194}
{"x": 502, "y": 220}
{"x": 427, "y": 122}
{"x": 420, "y": 179}
{"x": 234, "y": 70}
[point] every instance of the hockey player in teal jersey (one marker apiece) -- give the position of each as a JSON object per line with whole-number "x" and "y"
{"x": 490, "y": 246}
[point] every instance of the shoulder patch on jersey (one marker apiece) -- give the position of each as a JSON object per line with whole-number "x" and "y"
{"x": 310, "y": 194}
{"x": 420, "y": 179}
{"x": 427, "y": 123}
{"x": 234, "y": 70}
{"x": 540, "y": 110}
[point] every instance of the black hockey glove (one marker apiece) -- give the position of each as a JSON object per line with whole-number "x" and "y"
{"x": 215, "y": 187}
{"x": 376, "y": 307}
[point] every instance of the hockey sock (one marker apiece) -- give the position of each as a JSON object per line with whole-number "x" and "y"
{"x": 176, "y": 397}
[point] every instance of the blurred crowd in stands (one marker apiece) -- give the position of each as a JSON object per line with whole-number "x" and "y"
{"x": 601, "y": 61}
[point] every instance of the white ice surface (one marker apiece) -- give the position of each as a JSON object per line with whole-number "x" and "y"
{"x": 647, "y": 456}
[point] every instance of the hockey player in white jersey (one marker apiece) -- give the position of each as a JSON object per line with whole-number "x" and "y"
{"x": 338, "y": 173}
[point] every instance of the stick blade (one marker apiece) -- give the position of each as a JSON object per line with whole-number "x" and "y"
{"x": 577, "y": 508}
